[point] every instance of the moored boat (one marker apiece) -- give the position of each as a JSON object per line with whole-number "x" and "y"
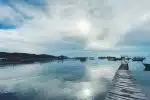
{"x": 146, "y": 65}
{"x": 91, "y": 58}
{"x": 146, "y": 62}
{"x": 138, "y": 59}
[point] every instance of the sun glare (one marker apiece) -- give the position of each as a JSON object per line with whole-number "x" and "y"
{"x": 83, "y": 26}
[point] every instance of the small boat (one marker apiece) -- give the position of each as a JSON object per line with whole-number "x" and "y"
{"x": 102, "y": 57}
{"x": 82, "y": 59}
{"x": 146, "y": 62}
{"x": 111, "y": 59}
{"x": 138, "y": 59}
{"x": 147, "y": 68}
{"x": 91, "y": 58}
{"x": 146, "y": 65}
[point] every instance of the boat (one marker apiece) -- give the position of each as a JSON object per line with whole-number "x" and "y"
{"x": 91, "y": 58}
{"x": 111, "y": 58}
{"x": 82, "y": 59}
{"x": 147, "y": 68}
{"x": 146, "y": 65}
{"x": 146, "y": 62}
{"x": 138, "y": 59}
{"x": 102, "y": 57}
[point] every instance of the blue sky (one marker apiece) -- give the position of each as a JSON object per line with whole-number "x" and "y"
{"x": 75, "y": 27}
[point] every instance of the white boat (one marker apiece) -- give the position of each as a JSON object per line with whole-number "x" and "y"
{"x": 146, "y": 62}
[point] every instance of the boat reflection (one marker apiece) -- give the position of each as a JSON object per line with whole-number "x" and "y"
{"x": 147, "y": 68}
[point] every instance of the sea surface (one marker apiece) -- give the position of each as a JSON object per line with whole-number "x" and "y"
{"x": 65, "y": 80}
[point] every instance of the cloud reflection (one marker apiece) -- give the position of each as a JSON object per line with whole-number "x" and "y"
{"x": 42, "y": 81}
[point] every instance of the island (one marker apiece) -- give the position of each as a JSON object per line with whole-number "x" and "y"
{"x": 19, "y": 58}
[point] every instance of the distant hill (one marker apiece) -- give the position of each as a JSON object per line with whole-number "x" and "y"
{"x": 6, "y": 57}
{"x": 24, "y": 55}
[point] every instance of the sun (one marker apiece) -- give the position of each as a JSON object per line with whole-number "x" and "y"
{"x": 84, "y": 26}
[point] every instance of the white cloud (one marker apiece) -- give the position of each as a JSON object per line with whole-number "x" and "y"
{"x": 108, "y": 22}
{"x": 9, "y": 16}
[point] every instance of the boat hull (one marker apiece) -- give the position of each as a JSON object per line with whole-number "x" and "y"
{"x": 147, "y": 65}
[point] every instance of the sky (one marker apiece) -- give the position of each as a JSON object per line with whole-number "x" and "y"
{"x": 75, "y": 27}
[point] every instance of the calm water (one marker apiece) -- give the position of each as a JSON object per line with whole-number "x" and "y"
{"x": 68, "y": 80}
{"x": 142, "y": 77}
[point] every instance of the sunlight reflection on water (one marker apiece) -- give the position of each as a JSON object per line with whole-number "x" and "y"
{"x": 67, "y": 80}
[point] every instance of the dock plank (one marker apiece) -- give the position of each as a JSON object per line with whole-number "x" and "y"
{"x": 124, "y": 86}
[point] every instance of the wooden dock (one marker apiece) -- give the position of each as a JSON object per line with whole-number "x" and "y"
{"x": 124, "y": 86}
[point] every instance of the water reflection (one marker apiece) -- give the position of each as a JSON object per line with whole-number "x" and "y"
{"x": 141, "y": 76}
{"x": 147, "y": 69}
{"x": 69, "y": 80}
